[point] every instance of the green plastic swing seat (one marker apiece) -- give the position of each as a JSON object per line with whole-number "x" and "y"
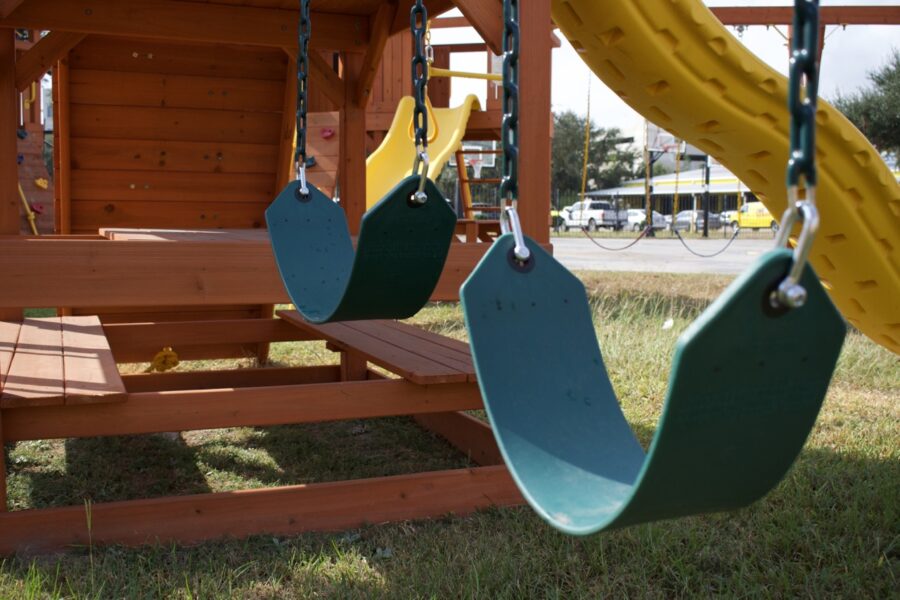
{"x": 400, "y": 253}
{"x": 746, "y": 386}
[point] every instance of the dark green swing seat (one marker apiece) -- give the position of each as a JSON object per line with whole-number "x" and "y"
{"x": 399, "y": 257}
{"x": 746, "y": 386}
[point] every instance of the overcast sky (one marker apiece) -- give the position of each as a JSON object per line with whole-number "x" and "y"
{"x": 848, "y": 56}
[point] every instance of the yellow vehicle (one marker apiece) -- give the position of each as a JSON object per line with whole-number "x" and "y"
{"x": 755, "y": 216}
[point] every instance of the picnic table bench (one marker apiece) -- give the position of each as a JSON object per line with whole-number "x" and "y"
{"x": 57, "y": 360}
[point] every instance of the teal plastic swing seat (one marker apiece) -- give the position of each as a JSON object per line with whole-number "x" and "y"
{"x": 399, "y": 257}
{"x": 746, "y": 386}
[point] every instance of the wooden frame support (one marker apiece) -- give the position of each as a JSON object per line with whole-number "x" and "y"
{"x": 380, "y": 31}
{"x": 157, "y": 412}
{"x": 486, "y": 16}
{"x": 3, "y": 498}
{"x": 467, "y": 434}
{"x": 7, "y": 6}
{"x": 352, "y": 166}
{"x": 534, "y": 132}
{"x": 279, "y": 511}
{"x": 178, "y": 21}
{"x": 182, "y": 274}
{"x": 43, "y": 55}
{"x": 9, "y": 169}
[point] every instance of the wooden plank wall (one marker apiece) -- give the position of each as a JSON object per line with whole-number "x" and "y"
{"x": 173, "y": 135}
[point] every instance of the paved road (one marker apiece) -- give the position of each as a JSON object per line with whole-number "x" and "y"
{"x": 665, "y": 255}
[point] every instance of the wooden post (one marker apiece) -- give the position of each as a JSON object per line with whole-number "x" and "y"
{"x": 353, "y": 367}
{"x": 61, "y": 123}
{"x": 534, "y": 120}
{"x": 352, "y": 162}
{"x": 3, "y": 498}
{"x": 9, "y": 122}
{"x": 9, "y": 169}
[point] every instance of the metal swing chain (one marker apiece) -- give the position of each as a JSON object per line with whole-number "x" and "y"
{"x": 802, "y": 101}
{"x": 304, "y": 31}
{"x": 418, "y": 23}
{"x": 509, "y": 131}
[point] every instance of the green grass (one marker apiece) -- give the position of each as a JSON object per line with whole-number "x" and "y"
{"x": 830, "y": 529}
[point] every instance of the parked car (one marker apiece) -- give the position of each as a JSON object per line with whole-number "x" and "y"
{"x": 755, "y": 216}
{"x": 728, "y": 216}
{"x": 637, "y": 219}
{"x": 594, "y": 214}
{"x": 683, "y": 220}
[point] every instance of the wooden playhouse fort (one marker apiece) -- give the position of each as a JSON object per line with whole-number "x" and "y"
{"x": 174, "y": 129}
{"x": 178, "y": 118}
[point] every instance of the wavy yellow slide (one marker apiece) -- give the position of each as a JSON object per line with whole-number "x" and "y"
{"x": 676, "y": 64}
{"x": 393, "y": 160}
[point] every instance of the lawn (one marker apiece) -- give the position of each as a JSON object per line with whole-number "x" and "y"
{"x": 831, "y": 528}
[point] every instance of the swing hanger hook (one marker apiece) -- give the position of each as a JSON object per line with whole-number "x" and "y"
{"x": 420, "y": 168}
{"x": 790, "y": 294}
{"x": 301, "y": 177}
{"x": 509, "y": 223}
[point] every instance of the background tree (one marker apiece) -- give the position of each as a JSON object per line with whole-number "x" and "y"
{"x": 876, "y": 110}
{"x": 609, "y": 161}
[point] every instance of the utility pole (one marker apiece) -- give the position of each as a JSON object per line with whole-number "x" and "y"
{"x": 706, "y": 200}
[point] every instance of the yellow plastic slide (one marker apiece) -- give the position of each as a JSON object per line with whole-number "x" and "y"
{"x": 393, "y": 160}
{"x": 676, "y": 64}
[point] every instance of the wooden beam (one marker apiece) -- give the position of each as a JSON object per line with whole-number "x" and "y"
{"x": 380, "y": 31}
{"x": 276, "y": 511}
{"x": 325, "y": 79}
{"x": 9, "y": 123}
{"x": 486, "y": 16}
{"x": 352, "y": 162}
{"x": 435, "y": 8}
{"x": 190, "y": 21}
{"x": 7, "y": 6}
{"x": 467, "y": 434}
{"x": 9, "y": 170}
{"x": 32, "y": 65}
{"x": 155, "y": 412}
{"x": 2, "y": 468}
{"x": 535, "y": 119}
{"x": 828, "y": 15}
{"x": 232, "y": 378}
{"x": 106, "y": 274}
{"x": 62, "y": 180}
{"x": 136, "y": 342}
{"x": 286, "y": 167}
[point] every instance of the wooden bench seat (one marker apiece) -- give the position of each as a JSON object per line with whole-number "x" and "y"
{"x": 419, "y": 356}
{"x": 57, "y": 360}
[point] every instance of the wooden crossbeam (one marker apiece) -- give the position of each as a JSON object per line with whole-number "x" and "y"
{"x": 325, "y": 79}
{"x": 7, "y": 6}
{"x": 190, "y": 21}
{"x": 486, "y": 16}
{"x": 380, "y": 31}
{"x": 138, "y": 273}
{"x": 828, "y": 15}
{"x": 279, "y": 511}
{"x": 32, "y": 65}
{"x": 185, "y": 410}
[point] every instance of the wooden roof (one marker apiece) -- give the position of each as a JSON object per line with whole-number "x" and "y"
{"x": 338, "y": 24}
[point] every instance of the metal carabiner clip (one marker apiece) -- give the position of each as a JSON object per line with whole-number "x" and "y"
{"x": 509, "y": 223}
{"x": 420, "y": 168}
{"x": 790, "y": 294}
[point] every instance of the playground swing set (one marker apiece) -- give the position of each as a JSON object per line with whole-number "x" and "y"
{"x": 559, "y": 430}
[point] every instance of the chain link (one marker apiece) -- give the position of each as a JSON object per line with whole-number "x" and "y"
{"x": 304, "y": 31}
{"x": 803, "y": 92}
{"x": 418, "y": 19}
{"x": 509, "y": 184}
